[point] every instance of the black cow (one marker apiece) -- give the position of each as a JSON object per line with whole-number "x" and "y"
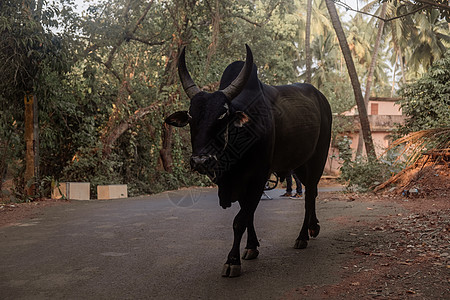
{"x": 245, "y": 131}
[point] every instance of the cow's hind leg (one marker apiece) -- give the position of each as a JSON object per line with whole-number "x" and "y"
{"x": 314, "y": 227}
{"x": 310, "y": 175}
{"x": 310, "y": 223}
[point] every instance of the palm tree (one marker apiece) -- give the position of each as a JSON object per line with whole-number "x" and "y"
{"x": 364, "y": 120}
{"x": 321, "y": 23}
{"x": 326, "y": 54}
{"x": 417, "y": 39}
{"x": 308, "y": 40}
{"x": 360, "y": 38}
{"x": 316, "y": 24}
{"x": 427, "y": 41}
{"x": 372, "y": 67}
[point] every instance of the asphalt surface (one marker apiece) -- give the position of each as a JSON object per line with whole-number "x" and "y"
{"x": 170, "y": 246}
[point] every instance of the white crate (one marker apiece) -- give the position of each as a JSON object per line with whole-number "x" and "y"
{"x": 112, "y": 191}
{"x": 72, "y": 191}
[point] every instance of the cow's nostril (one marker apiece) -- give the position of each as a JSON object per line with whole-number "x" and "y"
{"x": 197, "y": 163}
{"x": 198, "y": 160}
{"x": 203, "y": 163}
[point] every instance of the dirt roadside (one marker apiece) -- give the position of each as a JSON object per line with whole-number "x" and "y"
{"x": 10, "y": 213}
{"x": 410, "y": 257}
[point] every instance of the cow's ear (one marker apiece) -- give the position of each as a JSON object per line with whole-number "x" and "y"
{"x": 241, "y": 119}
{"x": 179, "y": 118}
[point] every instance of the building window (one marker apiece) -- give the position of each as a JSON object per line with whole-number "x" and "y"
{"x": 374, "y": 108}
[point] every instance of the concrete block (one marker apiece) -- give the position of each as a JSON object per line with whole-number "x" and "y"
{"x": 72, "y": 191}
{"x": 112, "y": 191}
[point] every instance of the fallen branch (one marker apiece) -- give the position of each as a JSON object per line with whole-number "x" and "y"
{"x": 393, "y": 179}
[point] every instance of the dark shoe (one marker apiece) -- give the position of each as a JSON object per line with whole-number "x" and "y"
{"x": 297, "y": 196}
{"x": 286, "y": 195}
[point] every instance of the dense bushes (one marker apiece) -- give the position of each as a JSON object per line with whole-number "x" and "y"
{"x": 426, "y": 102}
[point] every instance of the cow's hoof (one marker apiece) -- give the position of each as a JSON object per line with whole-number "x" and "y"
{"x": 314, "y": 232}
{"x": 231, "y": 270}
{"x": 300, "y": 244}
{"x": 250, "y": 254}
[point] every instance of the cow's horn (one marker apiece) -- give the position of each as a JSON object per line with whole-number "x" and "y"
{"x": 189, "y": 85}
{"x": 238, "y": 84}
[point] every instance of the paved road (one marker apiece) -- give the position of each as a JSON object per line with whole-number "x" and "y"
{"x": 169, "y": 246}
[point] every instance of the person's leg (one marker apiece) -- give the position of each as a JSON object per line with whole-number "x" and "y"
{"x": 298, "y": 183}
{"x": 288, "y": 186}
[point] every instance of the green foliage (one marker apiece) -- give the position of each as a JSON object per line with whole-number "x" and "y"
{"x": 426, "y": 102}
{"x": 29, "y": 52}
{"x": 361, "y": 174}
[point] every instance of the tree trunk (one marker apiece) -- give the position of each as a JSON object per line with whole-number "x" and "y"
{"x": 4, "y": 145}
{"x": 308, "y": 41}
{"x": 124, "y": 125}
{"x": 375, "y": 53}
{"x": 32, "y": 145}
{"x": 393, "y": 75}
{"x": 165, "y": 153}
{"x": 171, "y": 72}
{"x": 113, "y": 129}
{"x": 364, "y": 120}
{"x": 180, "y": 38}
{"x": 372, "y": 69}
{"x": 402, "y": 66}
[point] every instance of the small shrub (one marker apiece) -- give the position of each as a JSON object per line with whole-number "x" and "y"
{"x": 361, "y": 174}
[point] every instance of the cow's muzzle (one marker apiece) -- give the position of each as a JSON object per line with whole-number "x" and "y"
{"x": 204, "y": 164}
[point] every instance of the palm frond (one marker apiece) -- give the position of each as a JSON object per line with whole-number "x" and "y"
{"x": 423, "y": 142}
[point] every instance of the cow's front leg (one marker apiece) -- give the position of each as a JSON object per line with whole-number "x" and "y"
{"x": 232, "y": 267}
{"x": 251, "y": 249}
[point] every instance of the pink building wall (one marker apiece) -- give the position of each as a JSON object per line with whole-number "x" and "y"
{"x": 383, "y": 115}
